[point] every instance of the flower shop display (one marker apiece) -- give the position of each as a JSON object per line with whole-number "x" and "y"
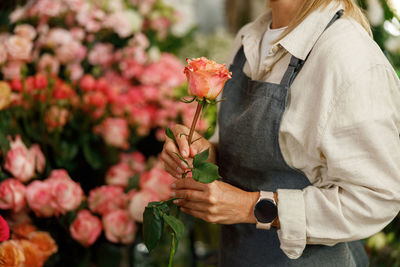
{"x": 87, "y": 89}
{"x": 206, "y": 79}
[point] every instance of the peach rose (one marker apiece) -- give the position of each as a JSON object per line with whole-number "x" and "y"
{"x": 44, "y": 242}
{"x": 19, "y": 161}
{"x": 119, "y": 174}
{"x": 86, "y": 228}
{"x": 66, "y": 194}
{"x": 5, "y": 95}
{"x": 206, "y": 78}
{"x": 115, "y": 132}
{"x": 39, "y": 198}
{"x": 33, "y": 256}
{"x": 3, "y": 54}
{"x": 22, "y": 230}
{"x": 157, "y": 180}
{"x": 12, "y": 195}
{"x": 48, "y": 62}
{"x": 106, "y": 198}
{"x": 139, "y": 201}
{"x": 11, "y": 254}
{"x": 119, "y": 227}
{"x": 26, "y": 31}
{"x": 19, "y": 48}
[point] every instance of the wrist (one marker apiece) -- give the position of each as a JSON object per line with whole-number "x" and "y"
{"x": 252, "y": 198}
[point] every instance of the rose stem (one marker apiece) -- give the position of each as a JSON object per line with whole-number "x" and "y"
{"x": 194, "y": 122}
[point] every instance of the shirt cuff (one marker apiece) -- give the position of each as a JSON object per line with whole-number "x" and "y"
{"x": 292, "y": 219}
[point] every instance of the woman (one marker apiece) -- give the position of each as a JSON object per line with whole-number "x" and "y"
{"x": 308, "y": 141}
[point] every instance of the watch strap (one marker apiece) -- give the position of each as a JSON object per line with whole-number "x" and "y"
{"x": 270, "y": 196}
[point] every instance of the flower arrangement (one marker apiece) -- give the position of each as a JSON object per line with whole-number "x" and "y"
{"x": 86, "y": 91}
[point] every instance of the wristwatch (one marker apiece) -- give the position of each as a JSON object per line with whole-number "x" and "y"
{"x": 265, "y": 210}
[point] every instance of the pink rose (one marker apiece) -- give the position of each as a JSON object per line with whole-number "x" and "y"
{"x": 19, "y": 161}
{"x": 4, "y": 230}
{"x": 106, "y": 198}
{"x": 119, "y": 174}
{"x": 101, "y": 54}
{"x": 19, "y": 48}
{"x": 119, "y": 227}
{"x": 124, "y": 23}
{"x": 140, "y": 41}
{"x": 206, "y": 78}
{"x": 75, "y": 71}
{"x": 26, "y": 31}
{"x": 139, "y": 201}
{"x": 136, "y": 161}
{"x": 12, "y": 69}
{"x": 86, "y": 228}
{"x": 158, "y": 181}
{"x": 12, "y": 195}
{"x": 67, "y": 195}
{"x": 115, "y": 132}
{"x": 38, "y": 156}
{"x": 48, "y": 62}
{"x": 39, "y": 198}
{"x": 70, "y": 52}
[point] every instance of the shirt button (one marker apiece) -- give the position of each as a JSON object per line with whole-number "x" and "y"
{"x": 275, "y": 49}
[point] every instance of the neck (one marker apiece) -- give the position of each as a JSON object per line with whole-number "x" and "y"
{"x": 283, "y": 11}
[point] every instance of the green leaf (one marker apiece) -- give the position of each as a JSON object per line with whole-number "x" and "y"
{"x": 206, "y": 173}
{"x": 176, "y": 225}
{"x": 152, "y": 227}
{"x": 93, "y": 158}
{"x": 200, "y": 158}
{"x": 182, "y": 159}
{"x": 170, "y": 134}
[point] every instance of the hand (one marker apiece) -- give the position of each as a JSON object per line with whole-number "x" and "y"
{"x": 216, "y": 202}
{"x": 173, "y": 164}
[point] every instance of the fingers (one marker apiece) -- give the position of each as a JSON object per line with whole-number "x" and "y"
{"x": 181, "y": 133}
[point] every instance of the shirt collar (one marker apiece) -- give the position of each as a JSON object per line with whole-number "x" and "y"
{"x": 300, "y": 40}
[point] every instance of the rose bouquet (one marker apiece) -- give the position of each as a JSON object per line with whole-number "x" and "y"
{"x": 87, "y": 89}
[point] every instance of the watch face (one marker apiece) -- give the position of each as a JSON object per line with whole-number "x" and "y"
{"x": 265, "y": 211}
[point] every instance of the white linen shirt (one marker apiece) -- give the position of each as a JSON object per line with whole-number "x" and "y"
{"x": 340, "y": 128}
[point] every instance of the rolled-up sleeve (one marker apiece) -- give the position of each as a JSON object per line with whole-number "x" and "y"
{"x": 357, "y": 192}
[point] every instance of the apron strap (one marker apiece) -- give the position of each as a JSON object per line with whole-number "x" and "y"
{"x": 296, "y": 64}
{"x": 240, "y": 58}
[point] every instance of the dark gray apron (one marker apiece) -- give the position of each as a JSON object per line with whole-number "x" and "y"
{"x": 249, "y": 157}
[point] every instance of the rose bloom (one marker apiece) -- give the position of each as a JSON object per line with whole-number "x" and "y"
{"x": 39, "y": 198}
{"x": 44, "y": 242}
{"x": 48, "y": 62}
{"x": 5, "y": 94}
{"x": 19, "y": 48}
{"x": 115, "y": 132}
{"x": 19, "y": 161}
{"x": 119, "y": 227}
{"x": 12, "y": 69}
{"x": 119, "y": 174}
{"x": 157, "y": 180}
{"x": 75, "y": 71}
{"x": 4, "y": 230}
{"x": 26, "y": 31}
{"x": 66, "y": 194}
{"x": 101, "y": 54}
{"x": 11, "y": 254}
{"x": 106, "y": 198}
{"x": 124, "y": 23}
{"x": 136, "y": 160}
{"x": 139, "y": 201}
{"x": 12, "y": 195}
{"x": 56, "y": 118}
{"x": 206, "y": 78}
{"x": 86, "y": 228}
{"x": 23, "y": 230}
{"x": 37, "y": 154}
{"x": 33, "y": 256}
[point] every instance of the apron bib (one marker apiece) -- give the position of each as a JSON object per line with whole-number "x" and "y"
{"x": 250, "y": 158}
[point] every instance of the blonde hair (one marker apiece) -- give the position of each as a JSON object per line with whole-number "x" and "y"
{"x": 350, "y": 9}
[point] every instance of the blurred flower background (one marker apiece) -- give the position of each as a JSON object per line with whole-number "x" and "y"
{"x": 86, "y": 90}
